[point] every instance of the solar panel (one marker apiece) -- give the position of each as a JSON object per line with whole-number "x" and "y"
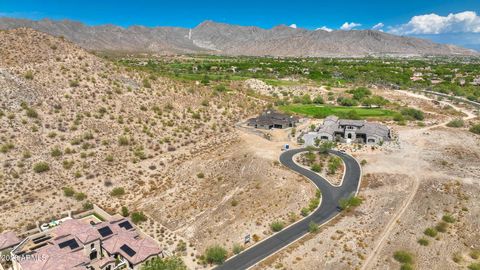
{"x": 130, "y": 252}
{"x": 72, "y": 244}
{"x": 105, "y": 231}
{"x": 126, "y": 225}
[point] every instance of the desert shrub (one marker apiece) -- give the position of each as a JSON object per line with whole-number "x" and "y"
{"x": 432, "y": 232}
{"x": 74, "y": 83}
{"x": 363, "y": 162}
{"x": 448, "y": 218}
{"x": 403, "y": 257}
{"x": 146, "y": 83}
{"x": 351, "y": 201}
{"x": 29, "y": 75}
{"x": 277, "y": 226}
{"x": 215, "y": 254}
{"x": 169, "y": 263}
{"x": 31, "y": 113}
{"x": 68, "y": 164}
{"x": 423, "y": 241}
{"x": 181, "y": 246}
{"x": 80, "y": 196}
{"x": 313, "y": 227}
{"x": 56, "y": 152}
{"x": 125, "y": 211}
{"x": 475, "y": 129}
{"x": 123, "y": 140}
{"x": 41, "y": 167}
{"x": 474, "y": 266}
{"x": 318, "y": 193}
{"x": 5, "y": 148}
{"x": 442, "y": 227}
{"x": 456, "y": 123}
{"x": 475, "y": 254}
{"x": 117, "y": 192}
{"x": 201, "y": 175}
{"x": 237, "y": 248}
{"x": 412, "y": 113}
{"x": 138, "y": 217}
{"x": 406, "y": 266}
{"x": 68, "y": 191}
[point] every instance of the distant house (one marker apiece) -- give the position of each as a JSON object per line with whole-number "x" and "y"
{"x": 361, "y": 131}
{"x": 476, "y": 81}
{"x": 272, "y": 119}
{"x": 88, "y": 245}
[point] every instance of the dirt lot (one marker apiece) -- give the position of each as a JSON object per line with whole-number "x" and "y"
{"x": 229, "y": 192}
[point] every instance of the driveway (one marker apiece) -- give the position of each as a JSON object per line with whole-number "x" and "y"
{"x": 327, "y": 210}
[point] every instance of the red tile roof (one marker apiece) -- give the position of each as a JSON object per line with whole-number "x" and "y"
{"x": 8, "y": 240}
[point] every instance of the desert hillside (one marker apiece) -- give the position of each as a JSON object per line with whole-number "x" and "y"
{"x": 94, "y": 126}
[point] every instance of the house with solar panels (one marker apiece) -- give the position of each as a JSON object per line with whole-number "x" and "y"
{"x": 87, "y": 243}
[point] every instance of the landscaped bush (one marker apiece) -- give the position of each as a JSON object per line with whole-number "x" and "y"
{"x": 237, "y": 248}
{"x": 304, "y": 212}
{"x": 125, "y": 211}
{"x": 169, "y": 263}
{"x": 87, "y": 206}
{"x": 277, "y": 226}
{"x": 316, "y": 167}
{"x": 138, "y": 217}
{"x": 349, "y": 202}
{"x": 41, "y": 167}
{"x": 215, "y": 254}
{"x": 313, "y": 204}
{"x": 313, "y": 227}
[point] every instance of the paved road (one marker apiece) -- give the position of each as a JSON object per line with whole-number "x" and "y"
{"x": 328, "y": 209}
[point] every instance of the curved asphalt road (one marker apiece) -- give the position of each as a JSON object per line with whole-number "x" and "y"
{"x": 327, "y": 210}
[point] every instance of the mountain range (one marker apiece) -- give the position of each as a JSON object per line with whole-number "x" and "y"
{"x": 219, "y": 38}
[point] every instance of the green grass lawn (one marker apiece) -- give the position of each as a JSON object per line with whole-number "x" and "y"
{"x": 322, "y": 111}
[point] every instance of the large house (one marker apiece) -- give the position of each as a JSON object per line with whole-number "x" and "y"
{"x": 272, "y": 119}
{"x": 345, "y": 130}
{"x": 88, "y": 244}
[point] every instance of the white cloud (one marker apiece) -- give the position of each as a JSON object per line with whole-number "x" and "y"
{"x": 378, "y": 26}
{"x": 294, "y": 26}
{"x": 324, "y": 28}
{"x": 349, "y": 26}
{"x": 463, "y": 22}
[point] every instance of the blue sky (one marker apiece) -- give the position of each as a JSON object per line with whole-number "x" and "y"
{"x": 394, "y": 15}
